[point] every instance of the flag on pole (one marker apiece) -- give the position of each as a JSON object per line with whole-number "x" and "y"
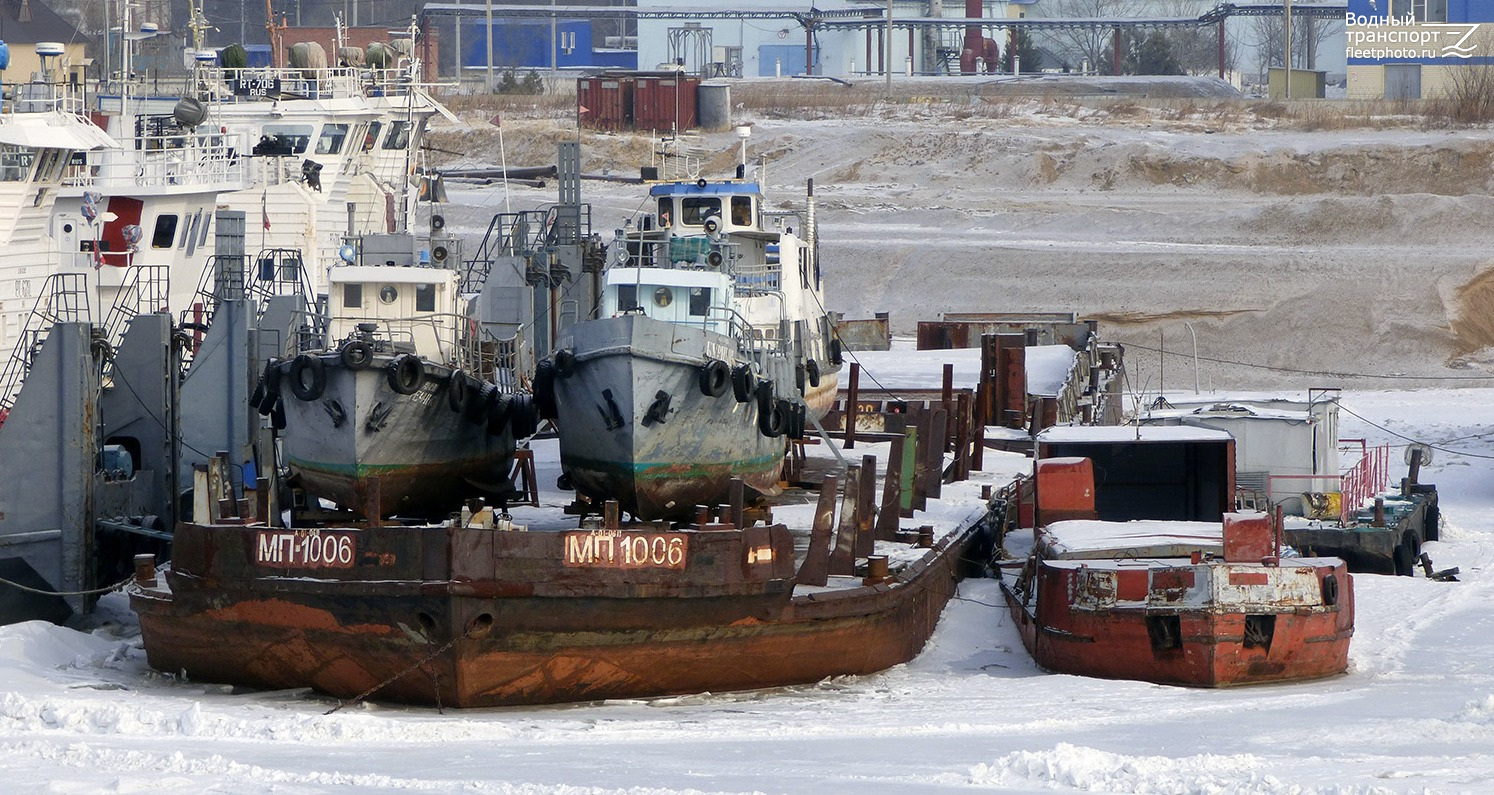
{"x": 264, "y": 212}
{"x": 497, "y": 120}
{"x": 582, "y": 109}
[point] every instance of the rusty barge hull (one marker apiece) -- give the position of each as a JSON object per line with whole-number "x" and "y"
{"x": 1160, "y": 639}
{"x": 413, "y": 623}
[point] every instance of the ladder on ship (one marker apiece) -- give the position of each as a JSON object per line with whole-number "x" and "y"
{"x": 63, "y": 299}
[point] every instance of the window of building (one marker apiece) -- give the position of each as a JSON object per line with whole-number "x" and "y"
{"x": 352, "y": 296}
{"x": 165, "y": 233}
{"x": 330, "y": 142}
{"x": 1425, "y": 10}
{"x": 425, "y": 298}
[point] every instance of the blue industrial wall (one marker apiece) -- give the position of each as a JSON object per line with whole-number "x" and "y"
{"x": 526, "y": 43}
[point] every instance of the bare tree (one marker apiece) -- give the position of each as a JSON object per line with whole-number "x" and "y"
{"x": 1078, "y": 44}
{"x": 1268, "y": 36}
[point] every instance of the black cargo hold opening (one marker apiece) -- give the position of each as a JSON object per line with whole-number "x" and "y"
{"x": 1177, "y": 480}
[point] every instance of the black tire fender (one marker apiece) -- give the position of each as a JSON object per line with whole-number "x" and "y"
{"x": 565, "y": 362}
{"x": 715, "y": 377}
{"x": 771, "y": 419}
{"x": 304, "y": 367}
{"x": 812, "y": 370}
{"x": 523, "y": 415}
{"x": 544, "y": 389}
{"x": 356, "y": 355}
{"x": 458, "y": 391}
{"x": 498, "y": 412}
{"x": 1330, "y": 590}
{"x": 406, "y": 374}
{"x": 476, "y": 411}
{"x": 743, "y": 383}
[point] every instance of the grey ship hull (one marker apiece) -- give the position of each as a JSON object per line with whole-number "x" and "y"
{"x": 361, "y": 440}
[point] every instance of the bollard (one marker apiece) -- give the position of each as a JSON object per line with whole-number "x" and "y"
{"x": 610, "y": 515}
{"x": 926, "y": 536}
{"x": 876, "y": 570}
{"x": 145, "y": 570}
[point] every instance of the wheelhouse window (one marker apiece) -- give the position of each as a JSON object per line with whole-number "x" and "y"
{"x": 295, "y": 136}
{"x": 165, "y": 232}
{"x": 425, "y": 298}
{"x": 15, "y": 163}
{"x": 330, "y": 142}
{"x": 372, "y": 136}
{"x": 627, "y": 297}
{"x": 700, "y": 301}
{"x": 399, "y": 135}
{"x": 352, "y": 295}
{"x": 741, "y": 210}
{"x": 696, "y": 209}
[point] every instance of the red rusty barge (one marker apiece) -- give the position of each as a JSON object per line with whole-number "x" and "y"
{"x": 468, "y": 616}
{"x": 1201, "y": 604}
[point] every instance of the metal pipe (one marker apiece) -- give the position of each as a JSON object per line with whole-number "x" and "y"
{"x": 1189, "y": 326}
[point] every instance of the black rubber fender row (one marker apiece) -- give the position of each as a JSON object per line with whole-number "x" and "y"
{"x": 715, "y": 377}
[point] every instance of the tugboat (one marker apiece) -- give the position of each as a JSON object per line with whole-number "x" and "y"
{"x": 711, "y": 348}
{"x": 397, "y": 408}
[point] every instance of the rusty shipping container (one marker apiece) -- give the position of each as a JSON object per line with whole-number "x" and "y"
{"x": 665, "y": 103}
{"x": 607, "y": 100}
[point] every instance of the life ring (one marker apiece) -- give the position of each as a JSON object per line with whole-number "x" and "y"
{"x": 1330, "y": 590}
{"x": 523, "y": 415}
{"x": 544, "y": 389}
{"x": 357, "y": 354}
{"x": 303, "y": 366}
{"x": 772, "y": 421}
{"x": 458, "y": 391}
{"x": 497, "y": 412}
{"x": 743, "y": 383}
{"x": 812, "y": 370}
{"x": 715, "y": 376}
{"x": 405, "y": 374}
{"x": 565, "y": 362}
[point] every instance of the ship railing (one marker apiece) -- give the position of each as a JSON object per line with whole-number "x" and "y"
{"x": 63, "y": 299}
{"x": 45, "y": 95}
{"x": 1340, "y": 495}
{"x": 526, "y": 233}
{"x": 165, "y": 159}
{"x": 752, "y": 344}
{"x": 146, "y": 289}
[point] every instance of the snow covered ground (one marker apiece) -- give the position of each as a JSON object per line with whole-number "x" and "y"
{"x": 1360, "y": 251}
{"x": 81, "y": 712}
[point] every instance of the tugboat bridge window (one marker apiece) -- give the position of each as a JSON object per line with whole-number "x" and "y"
{"x": 663, "y": 297}
{"x": 165, "y": 233}
{"x": 700, "y": 301}
{"x": 627, "y": 297}
{"x": 695, "y": 209}
{"x": 399, "y": 135}
{"x": 352, "y": 296}
{"x": 425, "y": 298}
{"x": 387, "y": 294}
{"x": 741, "y": 210}
{"x": 297, "y": 136}
{"x": 372, "y": 136}
{"x": 330, "y": 143}
{"x": 15, "y": 163}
